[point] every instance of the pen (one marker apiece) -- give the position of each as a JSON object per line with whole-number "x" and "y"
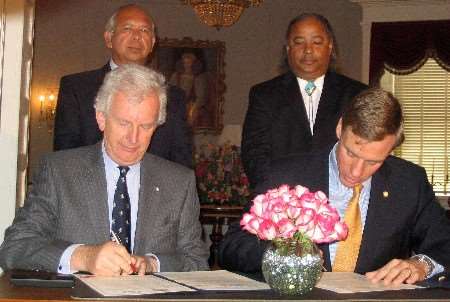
{"x": 116, "y": 239}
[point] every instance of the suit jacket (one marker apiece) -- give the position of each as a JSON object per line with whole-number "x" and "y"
{"x": 68, "y": 204}
{"x": 276, "y": 124}
{"x": 76, "y": 126}
{"x": 408, "y": 219}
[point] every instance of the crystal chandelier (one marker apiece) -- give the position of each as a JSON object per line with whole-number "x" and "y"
{"x": 220, "y": 13}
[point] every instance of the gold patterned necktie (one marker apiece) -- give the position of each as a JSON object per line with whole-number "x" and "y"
{"x": 348, "y": 249}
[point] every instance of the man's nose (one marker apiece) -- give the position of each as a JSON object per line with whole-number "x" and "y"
{"x": 136, "y": 34}
{"x": 133, "y": 135}
{"x": 357, "y": 168}
{"x": 308, "y": 48}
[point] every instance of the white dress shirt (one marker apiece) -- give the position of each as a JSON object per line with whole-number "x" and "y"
{"x": 311, "y": 102}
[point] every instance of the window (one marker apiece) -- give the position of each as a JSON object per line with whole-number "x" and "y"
{"x": 425, "y": 97}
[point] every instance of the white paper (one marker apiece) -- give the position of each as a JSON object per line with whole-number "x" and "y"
{"x": 346, "y": 283}
{"x": 131, "y": 285}
{"x": 215, "y": 280}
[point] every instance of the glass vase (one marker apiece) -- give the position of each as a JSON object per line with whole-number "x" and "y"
{"x": 292, "y": 268}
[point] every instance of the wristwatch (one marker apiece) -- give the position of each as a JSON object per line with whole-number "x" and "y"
{"x": 427, "y": 261}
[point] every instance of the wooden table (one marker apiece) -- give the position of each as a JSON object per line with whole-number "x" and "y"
{"x": 11, "y": 293}
{"x": 218, "y": 216}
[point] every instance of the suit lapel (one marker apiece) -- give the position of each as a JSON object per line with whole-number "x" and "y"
{"x": 328, "y": 102}
{"x": 101, "y": 75}
{"x": 96, "y": 191}
{"x": 379, "y": 206}
{"x": 292, "y": 93}
{"x": 149, "y": 201}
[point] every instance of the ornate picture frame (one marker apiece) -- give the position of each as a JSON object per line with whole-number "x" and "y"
{"x": 197, "y": 67}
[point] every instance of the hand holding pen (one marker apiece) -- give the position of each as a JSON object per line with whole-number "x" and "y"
{"x": 134, "y": 267}
{"x": 106, "y": 259}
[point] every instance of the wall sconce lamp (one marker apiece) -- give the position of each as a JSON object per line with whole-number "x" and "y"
{"x": 47, "y": 108}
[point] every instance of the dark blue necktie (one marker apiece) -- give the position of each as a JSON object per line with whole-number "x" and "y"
{"x": 121, "y": 218}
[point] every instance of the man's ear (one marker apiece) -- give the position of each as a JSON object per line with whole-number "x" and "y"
{"x": 101, "y": 120}
{"x": 339, "y": 129}
{"x": 107, "y": 35}
{"x": 153, "y": 44}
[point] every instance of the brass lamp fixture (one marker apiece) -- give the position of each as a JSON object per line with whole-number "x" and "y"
{"x": 220, "y": 13}
{"x": 47, "y": 107}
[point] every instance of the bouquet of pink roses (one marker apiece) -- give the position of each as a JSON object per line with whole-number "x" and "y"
{"x": 292, "y": 218}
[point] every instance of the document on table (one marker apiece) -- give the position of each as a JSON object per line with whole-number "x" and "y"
{"x": 346, "y": 283}
{"x": 215, "y": 280}
{"x": 170, "y": 282}
{"x": 131, "y": 285}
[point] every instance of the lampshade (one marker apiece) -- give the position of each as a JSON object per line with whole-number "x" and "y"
{"x": 220, "y": 13}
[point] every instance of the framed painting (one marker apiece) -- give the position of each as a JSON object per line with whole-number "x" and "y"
{"x": 196, "y": 67}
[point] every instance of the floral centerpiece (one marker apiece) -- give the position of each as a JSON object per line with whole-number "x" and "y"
{"x": 294, "y": 219}
{"x": 220, "y": 176}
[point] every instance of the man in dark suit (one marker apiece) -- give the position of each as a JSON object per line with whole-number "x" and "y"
{"x": 130, "y": 35}
{"x": 405, "y": 233}
{"x": 84, "y": 199}
{"x": 282, "y": 118}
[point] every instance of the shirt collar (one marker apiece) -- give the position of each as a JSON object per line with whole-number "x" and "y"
{"x": 318, "y": 82}
{"x": 112, "y": 64}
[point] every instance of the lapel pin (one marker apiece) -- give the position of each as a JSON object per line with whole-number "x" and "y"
{"x": 385, "y": 194}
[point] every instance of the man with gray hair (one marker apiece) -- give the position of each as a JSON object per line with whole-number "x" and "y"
{"x": 130, "y": 36}
{"x": 111, "y": 208}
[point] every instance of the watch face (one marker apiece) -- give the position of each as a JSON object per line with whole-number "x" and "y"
{"x": 428, "y": 263}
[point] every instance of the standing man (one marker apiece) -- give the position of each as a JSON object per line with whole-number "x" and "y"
{"x": 130, "y": 35}
{"x": 299, "y": 110}
{"x": 84, "y": 199}
{"x": 399, "y": 233}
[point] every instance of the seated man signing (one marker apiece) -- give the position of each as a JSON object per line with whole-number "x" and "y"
{"x": 111, "y": 208}
{"x": 404, "y": 234}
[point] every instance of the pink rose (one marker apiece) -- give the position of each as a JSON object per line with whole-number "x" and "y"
{"x": 267, "y": 230}
{"x": 279, "y": 206}
{"x": 277, "y": 216}
{"x": 300, "y": 190}
{"x": 305, "y": 221}
{"x": 319, "y": 195}
{"x": 286, "y": 228}
{"x": 250, "y": 223}
{"x": 341, "y": 231}
{"x": 316, "y": 234}
{"x": 259, "y": 206}
{"x": 307, "y": 200}
{"x": 293, "y": 212}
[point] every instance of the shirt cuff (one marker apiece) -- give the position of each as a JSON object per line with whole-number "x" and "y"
{"x": 437, "y": 267}
{"x": 64, "y": 261}
{"x": 158, "y": 264}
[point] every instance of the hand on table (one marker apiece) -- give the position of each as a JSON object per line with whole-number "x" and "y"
{"x": 398, "y": 271}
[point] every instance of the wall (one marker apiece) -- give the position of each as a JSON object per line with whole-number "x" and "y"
{"x": 13, "y": 74}
{"x": 68, "y": 38}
